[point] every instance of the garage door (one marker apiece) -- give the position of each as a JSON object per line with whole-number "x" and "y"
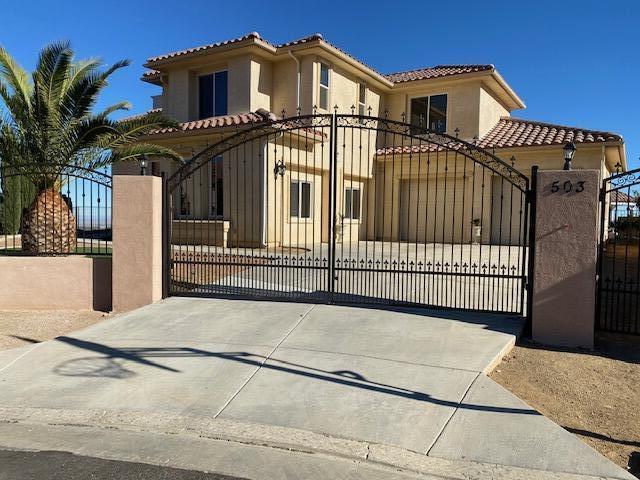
{"x": 431, "y": 211}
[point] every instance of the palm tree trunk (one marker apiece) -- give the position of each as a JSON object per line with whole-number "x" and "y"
{"x": 48, "y": 225}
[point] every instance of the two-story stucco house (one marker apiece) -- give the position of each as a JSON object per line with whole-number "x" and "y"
{"x": 217, "y": 90}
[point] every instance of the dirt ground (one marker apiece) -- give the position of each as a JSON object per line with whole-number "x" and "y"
{"x": 593, "y": 394}
{"x": 18, "y": 328}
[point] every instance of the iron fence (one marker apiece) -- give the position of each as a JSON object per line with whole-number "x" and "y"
{"x": 350, "y": 208}
{"x": 618, "y": 296}
{"x": 54, "y": 209}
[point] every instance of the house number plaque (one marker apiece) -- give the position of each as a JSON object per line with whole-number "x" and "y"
{"x": 558, "y": 186}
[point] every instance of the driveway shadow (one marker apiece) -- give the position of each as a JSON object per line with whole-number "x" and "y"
{"x": 110, "y": 365}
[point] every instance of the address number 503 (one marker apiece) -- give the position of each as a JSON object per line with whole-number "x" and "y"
{"x": 567, "y": 186}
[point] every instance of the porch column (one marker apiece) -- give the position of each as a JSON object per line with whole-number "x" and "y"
{"x": 137, "y": 241}
{"x": 566, "y": 240}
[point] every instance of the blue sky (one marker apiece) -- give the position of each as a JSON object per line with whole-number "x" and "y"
{"x": 573, "y": 62}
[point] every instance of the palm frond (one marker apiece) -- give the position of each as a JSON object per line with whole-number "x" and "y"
{"x": 15, "y": 77}
{"x": 51, "y": 120}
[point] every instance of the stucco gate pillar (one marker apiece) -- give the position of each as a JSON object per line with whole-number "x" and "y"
{"x": 566, "y": 239}
{"x": 137, "y": 241}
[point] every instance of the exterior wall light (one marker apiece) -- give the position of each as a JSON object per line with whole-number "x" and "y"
{"x": 569, "y": 151}
{"x": 279, "y": 169}
{"x": 143, "y": 164}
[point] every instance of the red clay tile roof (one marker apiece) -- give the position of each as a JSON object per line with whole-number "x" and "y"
{"x": 436, "y": 72}
{"x": 255, "y": 35}
{"x": 151, "y": 76}
{"x": 516, "y": 132}
{"x": 258, "y": 116}
{"x": 620, "y": 197}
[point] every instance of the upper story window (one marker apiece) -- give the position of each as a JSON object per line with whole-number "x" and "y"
{"x": 430, "y": 112}
{"x": 362, "y": 99}
{"x": 323, "y": 94}
{"x": 212, "y": 90}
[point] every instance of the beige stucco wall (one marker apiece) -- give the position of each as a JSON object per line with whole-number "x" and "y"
{"x": 490, "y": 110}
{"x": 137, "y": 241}
{"x": 565, "y": 259}
{"x": 55, "y": 283}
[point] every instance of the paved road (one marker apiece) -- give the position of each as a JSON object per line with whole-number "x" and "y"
{"x": 19, "y": 465}
{"x": 327, "y": 378}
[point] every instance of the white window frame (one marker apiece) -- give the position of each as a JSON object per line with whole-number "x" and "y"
{"x": 362, "y": 104}
{"x": 429, "y": 106}
{"x": 299, "y": 182}
{"x": 213, "y": 98}
{"x": 350, "y": 219}
{"x": 327, "y": 87}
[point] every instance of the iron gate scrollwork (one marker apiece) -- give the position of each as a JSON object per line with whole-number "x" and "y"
{"x": 350, "y": 208}
{"x": 618, "y": 297}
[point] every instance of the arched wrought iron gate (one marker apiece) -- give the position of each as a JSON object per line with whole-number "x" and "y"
{"x": 618, "y": 308}
{"x": 350, "y": 208}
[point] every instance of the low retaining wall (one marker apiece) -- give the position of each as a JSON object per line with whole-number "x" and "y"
{"x": 197, "y": 232}
{"x": 55, "y": 283}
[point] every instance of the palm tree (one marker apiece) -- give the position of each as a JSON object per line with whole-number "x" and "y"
{"x": 49, "y": 130}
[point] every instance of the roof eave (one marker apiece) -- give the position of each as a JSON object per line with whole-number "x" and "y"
{"x": 248, "y": 42}
{"x": 319, "y": 43}
{"x": 517, "y": 102}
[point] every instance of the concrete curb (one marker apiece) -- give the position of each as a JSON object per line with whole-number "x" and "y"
{"x": 275, "y": 437}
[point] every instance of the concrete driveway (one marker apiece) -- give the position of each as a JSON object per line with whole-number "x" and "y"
{"x": 405, "y": 378}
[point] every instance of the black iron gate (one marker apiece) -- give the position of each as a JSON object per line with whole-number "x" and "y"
{"x": 618, "y": 296}
{"x": 350, "y": 208}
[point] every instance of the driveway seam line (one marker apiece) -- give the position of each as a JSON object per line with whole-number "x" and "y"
{"x": 406, "y": 362}
{"x": 446, "y": 424}
{"x": 21, "y": 356}
{"x": 302, "y": 317}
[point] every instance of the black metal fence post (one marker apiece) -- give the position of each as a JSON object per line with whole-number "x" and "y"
{"x": 532, "y": 245}
{"x": 166, "y": 254}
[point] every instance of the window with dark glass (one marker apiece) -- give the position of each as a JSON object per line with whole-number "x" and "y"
{"x": 352, "y": 203}
{"x": 430, "y": 112}
{"x": 216, "y": 195}
{"x": 324, "y": 87}
{"x": 362, "y": 99}
{"x": 213, "y": 90}
{"x": 300, "y": 199}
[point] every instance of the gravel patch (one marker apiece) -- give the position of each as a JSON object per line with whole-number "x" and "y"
{"x": 19, "y": 328}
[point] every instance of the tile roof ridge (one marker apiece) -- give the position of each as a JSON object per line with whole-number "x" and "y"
{"x": 555, "y": 125}
{"x": 184, "y": 51}
{"x": 433, "y": 67}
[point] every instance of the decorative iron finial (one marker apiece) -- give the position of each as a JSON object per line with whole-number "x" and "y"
{"x": 513, "y": 160}
{"x": 457, "y": 132}
{"x": 298, "y": 111}
{"x": 475, "y": 139}
{"x": 369, "y": 110}
{"x": 403, "y": 116}
{"x": 618, "y": 167}
{"x": 283, "y": 113}
{"x": 315, "y": 109}
{"x": 386, "y": 113}
{"x": 353, "y": 109}
{"x": 335, "y": 109}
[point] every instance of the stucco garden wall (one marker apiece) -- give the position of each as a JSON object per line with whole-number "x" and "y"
{"x": 55, "y": 283}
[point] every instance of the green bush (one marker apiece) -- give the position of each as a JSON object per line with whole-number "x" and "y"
{"x": 16, "y": 194}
